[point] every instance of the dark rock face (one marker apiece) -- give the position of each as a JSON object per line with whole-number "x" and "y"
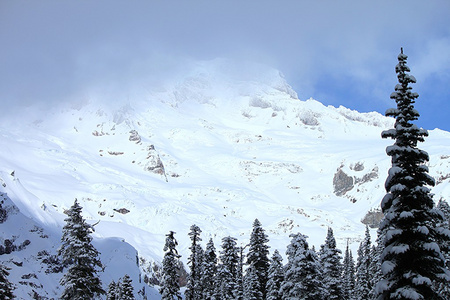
{"x": 123, "y": 211}
{"x": 342, "y": 183}
{"x": 370, "y": 176}
{"x": 358, "y": 167}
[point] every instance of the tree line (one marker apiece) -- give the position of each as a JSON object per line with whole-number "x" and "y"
{"x": 410, "y": 259}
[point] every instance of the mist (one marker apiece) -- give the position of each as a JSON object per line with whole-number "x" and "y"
{"x": 339, "y": 52}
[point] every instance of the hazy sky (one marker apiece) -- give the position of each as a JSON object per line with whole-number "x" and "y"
{"x": 338, "y": 52}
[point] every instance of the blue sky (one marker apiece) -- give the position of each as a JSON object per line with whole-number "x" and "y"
{"x": 337, "y": 52}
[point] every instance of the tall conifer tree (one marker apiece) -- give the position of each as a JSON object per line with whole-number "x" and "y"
{"x": 227, "y": 272}
{"x": 302, "y": 280}
{"x": 411, "y": 259}
{"x": 209, "y": 271}
{"x": 113, "y": 291}
{"x": 445, "y": 225}
{"x": 275, "y": 277}
{"x": 348, "y": 275}
{"x": 258, "y": 255}
{"x": 194, "y": 284}
{"x": 170, "y": 288}
{"x": 252, "y": 289}
{"x": 330, "y": 259}
{"x": 442, "y": 287}
{"x": 126, "y": 288}
{"x": 363, "y": 286}
{"x": 80, "y": 280}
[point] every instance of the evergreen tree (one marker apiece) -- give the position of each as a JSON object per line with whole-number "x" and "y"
{"x": 113, "y": 291}
{"x": 126, "y": 289}
{"x": 6, "y": 287}
{"x": 227, "y": 286}
{"x": 80, "y": 280}
{"x": 252, "y": 288}
{"x": 348, "y": 275}
{"x": 411, "y": 259}
{"x": 209, "y": 271}
{"x": 275, "y": 277}
{"x": 330, "y": 260}
{"x": 239, "y": 294}
{"x": 442, "y": 287}
{"x": 258, "y": 255}
{"x": 302, "y": 279}
{"x": 445, "y": 225}
{"x": 375, "y": 268}
{"x": 170, "y": 288}
{"x": 194, "y": 284}
{"x": 363, "y": 286}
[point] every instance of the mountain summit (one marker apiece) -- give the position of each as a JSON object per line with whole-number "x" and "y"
{"x": 218, "y": 145}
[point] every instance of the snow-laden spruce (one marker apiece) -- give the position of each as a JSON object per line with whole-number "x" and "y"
{"x": 443, "y": 288}
{"x": 275, "y": 277}
{"x": 228, "y": 270}
{"x": 257, "y": 257}
{"x": 363, "y": 286}
{"x": 303, "y": 272}
{"x": 411, "y": 259}
{"x": 80, "y": 280}
{"x": 330, "y": 259}
{"x": 195, "y": 283}
{"x": 170, "y": 287}
{"x": 348, "y": 275}
{"x": 209, "y": 271}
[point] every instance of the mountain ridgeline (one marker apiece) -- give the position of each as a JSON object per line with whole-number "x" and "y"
{"x": 214, "y": 147}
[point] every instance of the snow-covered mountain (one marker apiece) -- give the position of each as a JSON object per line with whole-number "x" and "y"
{"x": 217, "y": 146}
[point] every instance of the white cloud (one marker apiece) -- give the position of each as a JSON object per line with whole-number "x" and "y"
{"x": 53, "y": 48}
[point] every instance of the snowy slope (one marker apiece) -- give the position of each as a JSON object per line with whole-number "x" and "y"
{"x": 217, "y": 146}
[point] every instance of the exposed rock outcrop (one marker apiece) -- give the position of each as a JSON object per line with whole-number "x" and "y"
{"x": 122, "y": 210}
{"x": 373, "y": 218}
{"x": 342, "y": 183}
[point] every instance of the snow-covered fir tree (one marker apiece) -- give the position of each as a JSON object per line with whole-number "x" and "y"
{"x": 239, "y": 293}
{"x": 227, "y": 272}
{"x": 209, "y": 271}
{"x": 6, "y": 287}
{"x": 363, "y": 286}
{"x": 258, "y": 255}
{"x": 375, "y": 268}
{"x": 112, "y": 293}
{"x": 126, "y": 291}
{"x": 302, "y": 278}
{"x": 252, "y": 288}
{"x": 445, "y": 224}
{"x": 348, "y": 275}
{"x": 170, "y": 288}
{"x": 194, "y": 285}
{"x": 411, "y": 259}
{"x": 275, "y": 277}
{"x": 80, "y": 280}
{"x": 442, "y": 287}
{"x": 330, "y": 259}
{"x": 122, "y": 290}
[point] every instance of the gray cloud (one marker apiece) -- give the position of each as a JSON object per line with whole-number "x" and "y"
{"x": 343, "y": 52}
